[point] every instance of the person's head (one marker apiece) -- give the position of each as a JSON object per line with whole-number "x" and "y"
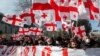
{"x": 21, "y": 41}
{"x": 86, "y": 39}
{"x": 27, "y": 38}
{"x": 74, "y": 44}
{"x": 39, "y": 36}
{"x": 49, "y": 41}
{"x": 0, "y": 39}
{"x": 40, "y": 42}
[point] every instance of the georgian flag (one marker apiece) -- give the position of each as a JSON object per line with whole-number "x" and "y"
{"x": 73, "y": 7}
{"x": 92, "y": 7}
{"x": 95, "y": 9}
{"x": 27, "y": 17}
{"x": 73, "y": 4}
{"x": 35, "y": 31}
{"x": 13, "y": 20}
{"x": 66, "y": 25}
{"x": 79, "y": 31}
{"x": 64, "y": 16}
{"x": 81, "y": 7}
{"x": 59, "y": 6}
{"x": 23, "y": 31}
{"x": 74, "y": 15}
{"x": 50, "y": 26}
{"x": 43, "y": 13}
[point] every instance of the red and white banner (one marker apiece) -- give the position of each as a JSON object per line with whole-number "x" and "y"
{"x": 46, "y": 51}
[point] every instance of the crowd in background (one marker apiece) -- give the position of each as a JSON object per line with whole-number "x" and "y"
{"x": 76, "y": 42}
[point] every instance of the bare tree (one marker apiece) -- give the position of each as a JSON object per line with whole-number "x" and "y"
{"x": 22, "y": 5}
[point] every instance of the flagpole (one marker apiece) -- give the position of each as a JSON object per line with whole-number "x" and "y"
{"x": 72, "y": 35}
{"x": 61, "y": 33}
{"x": 71, "y": 30}
{"x": 76, "y": 25}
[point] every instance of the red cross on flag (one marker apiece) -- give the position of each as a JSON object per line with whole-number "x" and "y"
{"x": 23, "y": 31}
{"x": 16, "y": 37}
{"x": 64, "y": 15}
{"x": 58, "y": 3}
{"x": 13, "y": 20}
{"x": 73, "y": 4}
{"x": 72, "y": 7}
{"x": 51, "y": 26}
{"x": 43, "y": 12}
{"x": 66, "y": 25}
{"x": 45, "y": 15}
{"x": 35, "y": 31}
{"x": 81, "y": 7}
{"x": 79, "y": 31}
{"x": 27, "y": 17}
{"x": 92, "y": 7}
{"x": 59, "y": 6}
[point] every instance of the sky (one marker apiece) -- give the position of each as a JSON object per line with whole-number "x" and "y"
{"x": 94, "y": 24}
{"x": 9, "y": 7}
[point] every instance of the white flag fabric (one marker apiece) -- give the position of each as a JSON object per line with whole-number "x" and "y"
{"x": 95, "y": 9}
{"x": 43, "y": 13}
{"x": 15, "y": 21}
{"x": 81, "y": 7}
{"x": 64, "y": 16}
{"x": 73, "y": 4}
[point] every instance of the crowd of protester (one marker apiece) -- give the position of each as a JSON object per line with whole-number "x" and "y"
{"x": 75, "y": 42}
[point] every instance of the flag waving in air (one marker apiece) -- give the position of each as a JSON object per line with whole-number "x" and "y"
{"x": 35, "y": 31}
{"x": 43, "y": 12}
{"x": 79, "y": 31}
{"x": 13, "y": 20}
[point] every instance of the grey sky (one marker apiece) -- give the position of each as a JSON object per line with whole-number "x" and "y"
{"x": 8, "y": 6}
